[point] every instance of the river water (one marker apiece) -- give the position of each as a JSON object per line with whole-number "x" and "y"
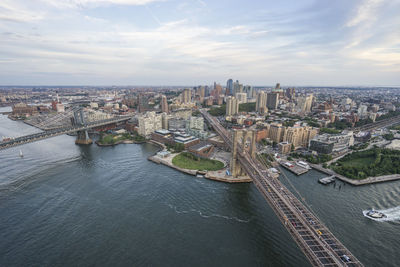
{"x": 68, "y": 205}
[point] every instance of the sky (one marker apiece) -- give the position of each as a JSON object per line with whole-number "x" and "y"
{"x": 193, "y": 42}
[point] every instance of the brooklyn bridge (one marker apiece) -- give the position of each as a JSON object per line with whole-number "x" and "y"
{"x": 316, "y": 241}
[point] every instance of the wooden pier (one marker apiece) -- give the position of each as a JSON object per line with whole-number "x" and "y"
{"x": 296, "y": 169}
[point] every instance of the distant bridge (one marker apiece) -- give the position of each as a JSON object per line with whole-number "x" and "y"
{"x": 79, "y": 127}
{"x": 318, "y": 244}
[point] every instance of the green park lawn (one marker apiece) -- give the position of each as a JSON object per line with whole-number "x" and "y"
{"x": 186, "y": 160}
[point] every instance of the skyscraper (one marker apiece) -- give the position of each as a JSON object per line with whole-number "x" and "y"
{"x": 164, "y": 104}
{"x": 186, "y": 96}
{"x": 229, "y": 87}
{"x": 248, "y": 90}
{"x": 290, "y": 93}
{"x": 237, "y": 87}
{"x": 261, "y": 102}
{"x": 143, "y": 103}
{"x": 232, "y": 106}
{"x": 272, "y": 100}
{"x": 304, "y": 103}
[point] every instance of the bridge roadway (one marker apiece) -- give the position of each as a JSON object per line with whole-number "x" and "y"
{"x": 60, "y": 131}
{"x": 319, "y": 245}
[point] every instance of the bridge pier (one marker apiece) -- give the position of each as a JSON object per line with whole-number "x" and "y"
{"x": 245, "y": 139}
{"x": 83, "y": 138}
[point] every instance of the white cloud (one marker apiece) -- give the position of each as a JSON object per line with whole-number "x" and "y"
{"x": 366, "y": 11}
{"x": 13, "y": 11}
{"x": 86, "y": 3}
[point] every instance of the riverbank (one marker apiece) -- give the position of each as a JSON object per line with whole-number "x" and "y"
{"x": 369, "y": 180}
{"x": 121, "y": 142}
{"x": 219, "y": 175}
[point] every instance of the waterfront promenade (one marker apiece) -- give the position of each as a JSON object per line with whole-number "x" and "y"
{"x": 369, "y": 180}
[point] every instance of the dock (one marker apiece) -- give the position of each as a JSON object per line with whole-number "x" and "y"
{"x": 293, "y": 167}
{"x": 327, "y": 180}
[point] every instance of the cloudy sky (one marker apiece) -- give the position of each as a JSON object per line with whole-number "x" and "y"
{"x": 191, "y": 42}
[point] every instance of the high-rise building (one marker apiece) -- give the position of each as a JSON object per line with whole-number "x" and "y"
{"x": 229, "y": 87}
{"x": 143, "y": 103}
{"x": 249, "y": 91}
{"x": 278, "y": 90}
{"x": 186, "y": 96}
{"x": 299, "y": 136}
{"x": 164, "y": 104}
{"x": 290, "y": 93}
{"x": 241, "y": 97}
{"x": 196, "y": 123}
{"x": 164, "y": 121}
{"x": 261, "y": 102}
{"x": 232, "y": 106}
{"x": 217, "y": 90}
{"x": 304, "y": 103}
{"x": 276, "y": 132}
{"x": 148, "y": 123}
{"x": 272, "y": 100}
{"x": 237, "y": 87}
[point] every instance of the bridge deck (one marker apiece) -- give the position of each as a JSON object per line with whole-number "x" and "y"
{"x": 55, "y": 132}
{"x": 319, "y": 245}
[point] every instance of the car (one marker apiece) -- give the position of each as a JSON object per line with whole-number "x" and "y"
{"x": 346, "y": 258}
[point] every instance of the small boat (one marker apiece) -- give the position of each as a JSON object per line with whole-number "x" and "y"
{"x": 21, "y": 154}
{"x": 375, "y": 214}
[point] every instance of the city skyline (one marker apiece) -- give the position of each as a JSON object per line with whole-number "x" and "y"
{"x": 151, "y": 42}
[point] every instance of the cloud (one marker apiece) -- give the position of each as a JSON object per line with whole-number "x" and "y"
{"x": 11, "y": 11}
{"x": 365, "y": 12}
{"x": 94, "y": 3}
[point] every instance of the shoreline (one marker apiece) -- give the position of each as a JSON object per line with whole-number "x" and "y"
{"x": 368, "y": 180}
{"x": 219, "y": 176}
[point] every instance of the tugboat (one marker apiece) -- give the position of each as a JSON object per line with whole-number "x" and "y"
{"x": 375, "y": 214}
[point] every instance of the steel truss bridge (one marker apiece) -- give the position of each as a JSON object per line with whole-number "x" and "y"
{"x": 59, "y": 131}
{"x": 318, "y": 244}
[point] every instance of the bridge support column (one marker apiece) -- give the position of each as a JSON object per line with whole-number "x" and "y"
{"x": 246, "y": 140}
{"x": 83, "y": 138}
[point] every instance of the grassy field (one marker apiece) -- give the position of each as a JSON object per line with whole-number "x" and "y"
{"x": 188, "y": 161}
{"x": 359, "y": 163}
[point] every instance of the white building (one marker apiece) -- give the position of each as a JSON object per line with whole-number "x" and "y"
{"x": 148, "y": 123}
{"x": 196, "y": 123}
{"x": 93, "y": 115}
{"x": 60, "y": 107}
{"x": 94, "y": 105}
{"x": 241, "y": 97}
{"x": 232, "y": 106}
{"x": 362, "y": 110}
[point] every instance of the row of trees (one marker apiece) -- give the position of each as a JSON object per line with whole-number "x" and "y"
{"x": 321, "y": 158}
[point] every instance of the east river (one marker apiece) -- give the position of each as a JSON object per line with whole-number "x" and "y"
{"x": 68, "y": 205}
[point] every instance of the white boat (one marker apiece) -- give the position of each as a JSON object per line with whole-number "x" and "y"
{"x": 21, "y": 154}
{"x": 303, "y": 164}
{"x": 375, "y": 214}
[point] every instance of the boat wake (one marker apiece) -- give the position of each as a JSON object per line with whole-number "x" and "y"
{"x": 393, "y": 214}
{"x": 208, "y": 215}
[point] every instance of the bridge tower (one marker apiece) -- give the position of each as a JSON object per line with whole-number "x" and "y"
{"x": 245, "y": 139}
{"x": 82, "y": 136}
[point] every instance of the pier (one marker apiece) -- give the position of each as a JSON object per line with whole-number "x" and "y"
{"x": 293, "y": 167}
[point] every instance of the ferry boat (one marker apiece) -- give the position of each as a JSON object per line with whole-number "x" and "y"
{"x": 375, "y": 214}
